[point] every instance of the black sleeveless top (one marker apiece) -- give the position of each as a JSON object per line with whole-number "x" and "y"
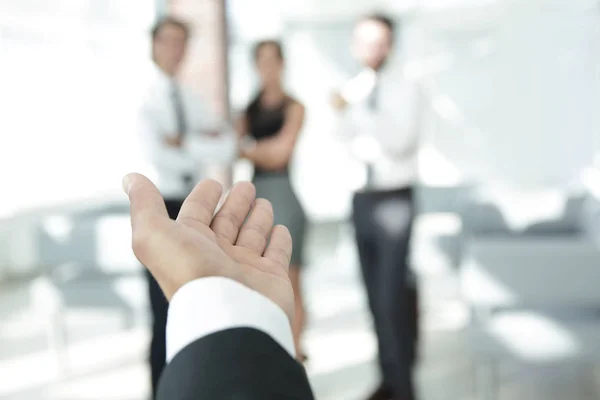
{"x": 265, "y": 122}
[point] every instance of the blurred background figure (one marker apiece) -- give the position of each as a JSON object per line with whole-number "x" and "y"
{"x": 268, "y": 130}
{"x": 180, "y": 135}
{"x": 381, "y": 111}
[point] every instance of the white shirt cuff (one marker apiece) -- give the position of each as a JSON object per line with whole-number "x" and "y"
{"x": 209, "y": 305}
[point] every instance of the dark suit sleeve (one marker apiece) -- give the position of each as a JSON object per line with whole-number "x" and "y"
{"x": 235, "y": 364}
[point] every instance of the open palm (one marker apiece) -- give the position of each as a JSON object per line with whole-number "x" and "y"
{"x": 238, "y": 242}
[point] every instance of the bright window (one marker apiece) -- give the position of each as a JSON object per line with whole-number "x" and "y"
{"x": 70, "y": 74}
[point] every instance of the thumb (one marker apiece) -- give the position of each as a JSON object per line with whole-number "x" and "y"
{"x": 149, "y": 225}
{"x": 146, "y": 203}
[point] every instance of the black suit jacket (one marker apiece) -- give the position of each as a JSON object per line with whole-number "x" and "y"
{"x": 235, "y": 364}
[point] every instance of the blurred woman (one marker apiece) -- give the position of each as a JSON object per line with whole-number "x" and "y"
{"x": 268, "y": 132}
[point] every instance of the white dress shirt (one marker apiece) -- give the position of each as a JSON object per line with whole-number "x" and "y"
{"x": 209, "y": 305}
{"x": 387, "y": 139}
{"x": 158, "y": 121}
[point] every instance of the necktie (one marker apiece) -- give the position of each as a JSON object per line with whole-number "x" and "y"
{"x": 181, "y": 124}
{"x": 372, "y": 103}
{"x": 178, "y": 108}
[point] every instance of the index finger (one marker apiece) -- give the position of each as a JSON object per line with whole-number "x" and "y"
{"x": 199, "y": 207}
{"x": 230, "y": 218}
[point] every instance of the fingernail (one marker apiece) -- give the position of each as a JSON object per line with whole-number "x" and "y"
{"x": 126, "y": 184}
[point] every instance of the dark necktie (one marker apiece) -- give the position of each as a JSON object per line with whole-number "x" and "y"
{"x": 181, "y": 124}
{"x": 372, "y": 103}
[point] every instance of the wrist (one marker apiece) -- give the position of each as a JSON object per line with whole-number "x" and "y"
{"x": 247, "y": 149}
{"x": 218, "y": 304}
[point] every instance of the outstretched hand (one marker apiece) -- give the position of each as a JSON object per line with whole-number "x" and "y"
{"x": 238, "y": 242}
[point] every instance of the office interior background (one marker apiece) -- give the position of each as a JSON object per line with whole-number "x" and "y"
{"x": 507, "y": 199}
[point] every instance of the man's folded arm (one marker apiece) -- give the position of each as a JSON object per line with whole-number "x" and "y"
{"x": 218, "y": 150}
{"x": 158, "y": 153}
{"x": 225, "y": 340}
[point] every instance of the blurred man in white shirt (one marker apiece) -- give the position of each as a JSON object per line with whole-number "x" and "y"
{"x": 180, "y": 136}
{"x": 380, "y": 114}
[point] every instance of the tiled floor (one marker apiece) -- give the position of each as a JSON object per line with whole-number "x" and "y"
{"x": 107, "y": 361}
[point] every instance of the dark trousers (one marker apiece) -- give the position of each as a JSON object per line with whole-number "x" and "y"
{"x": 159, "y": 307}
{"x": 383, "y": 222}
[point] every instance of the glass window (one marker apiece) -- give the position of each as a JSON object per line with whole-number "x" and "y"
{"x": 70, "y": 78}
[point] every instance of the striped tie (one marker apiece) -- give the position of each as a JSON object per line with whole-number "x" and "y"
{"x": 372, "y": 103}
{"x": 181, "y": 125}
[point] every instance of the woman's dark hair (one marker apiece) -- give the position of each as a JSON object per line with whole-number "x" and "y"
{"x": 168, "y": 20}
{"x": 256, "y": 52}
{"x": 275, "y": 43}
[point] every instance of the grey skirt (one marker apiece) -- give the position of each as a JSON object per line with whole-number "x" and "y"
{"x": 277, "y": 188}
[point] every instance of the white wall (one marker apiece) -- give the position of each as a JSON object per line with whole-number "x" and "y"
{"x": 70, "y": 76}
{"x": 527, "y": 101}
